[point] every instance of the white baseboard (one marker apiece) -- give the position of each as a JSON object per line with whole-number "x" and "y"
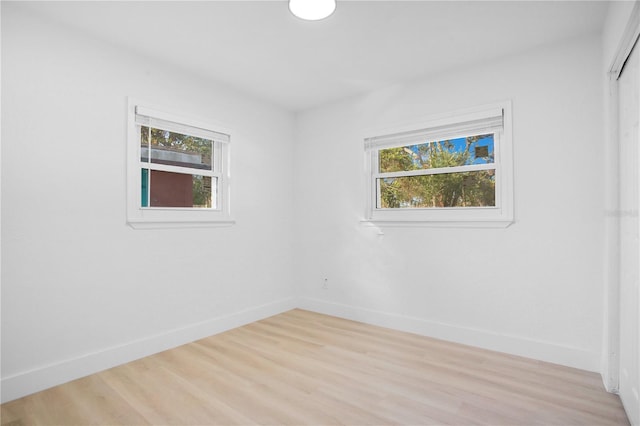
{"x": 514, "y": 345}
{"x": 28, "y": 382}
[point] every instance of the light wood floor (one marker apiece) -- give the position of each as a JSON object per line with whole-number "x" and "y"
{"x": 302, "y": 368}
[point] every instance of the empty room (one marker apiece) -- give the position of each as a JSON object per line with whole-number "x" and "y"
{"x": 318, "y": 212}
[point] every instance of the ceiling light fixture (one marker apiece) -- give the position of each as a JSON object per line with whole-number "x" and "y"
{"x": 312, "y": 10}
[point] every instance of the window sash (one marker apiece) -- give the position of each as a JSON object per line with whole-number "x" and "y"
{"x": 375, "y": 163}
{"x": 377, "y": 193}
{"x": 178, "y": 169}
{"x": 146, "y": 195}
{"x": 216, "y": 166}
{"x": 438, "y": 171}
{"x": 215, "y": 190}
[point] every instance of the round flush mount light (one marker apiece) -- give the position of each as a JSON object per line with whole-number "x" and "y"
{"x": 312, "y": 10}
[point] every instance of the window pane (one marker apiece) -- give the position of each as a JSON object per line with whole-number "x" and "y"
{"x": 175, "y": 149}
{"x": 166, "y": 189}
{"x": 431, "y": 155}
{"x": 145, "y": 188}
{"x": 466, "y": 189}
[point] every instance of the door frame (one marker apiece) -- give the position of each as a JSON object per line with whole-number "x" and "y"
{"x": 611, "y": 367}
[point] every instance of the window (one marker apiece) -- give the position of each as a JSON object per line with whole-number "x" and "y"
{"x": 177, "y": 171}
{"x": 454, "y": 170}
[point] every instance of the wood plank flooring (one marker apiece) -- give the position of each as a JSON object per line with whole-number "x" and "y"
{"x": 303, "y": 368}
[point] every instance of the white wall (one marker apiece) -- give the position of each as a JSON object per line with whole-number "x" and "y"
{"x": 81, "y": 290}
{"x": 533, "y": 289}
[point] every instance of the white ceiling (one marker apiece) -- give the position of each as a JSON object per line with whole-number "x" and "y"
{"x": 259, "y": 48}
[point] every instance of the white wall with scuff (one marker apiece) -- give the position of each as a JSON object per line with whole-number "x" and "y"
{"x": 534, "y": 288}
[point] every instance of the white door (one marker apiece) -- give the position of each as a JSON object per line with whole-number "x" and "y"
{"x": 629, "y": 131}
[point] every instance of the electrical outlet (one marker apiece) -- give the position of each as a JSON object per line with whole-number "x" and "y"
{"x": 325, "y": 283}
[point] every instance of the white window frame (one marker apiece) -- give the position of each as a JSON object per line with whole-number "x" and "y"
{"x": 468, "y": 122}
{"x": 139, "y": 217}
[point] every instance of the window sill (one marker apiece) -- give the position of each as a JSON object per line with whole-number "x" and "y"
{"x": 146, "y": 224}
{"x": 382, "y": 223}
{"x": 446, "y": 217}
